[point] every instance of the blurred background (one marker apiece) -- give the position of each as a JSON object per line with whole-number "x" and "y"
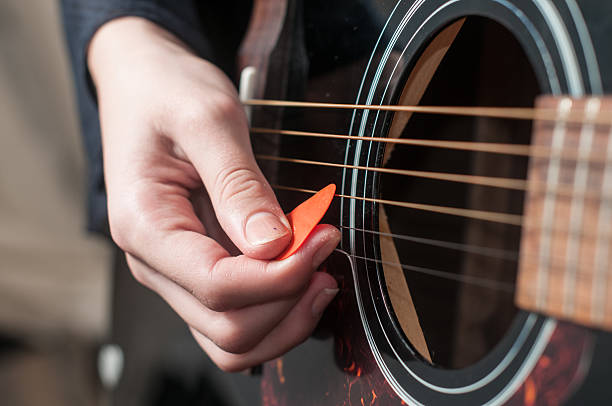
{"x": 68, "y": 305}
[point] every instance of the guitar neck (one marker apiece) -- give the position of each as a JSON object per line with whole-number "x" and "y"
{"x": 566, "y": 247}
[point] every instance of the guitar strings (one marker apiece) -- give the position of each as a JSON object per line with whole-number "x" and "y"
{"x": 491, "y": 252}
{"x": 499, "y": 148}
{"x": 505, "y": 183}
{"x": 503, "y": 287}
{"x": 472, "y": 280}
{"x": 486, "y": 251}
{"x": 575, "y": 117}
{"x": 564, "y": 190}
{"x": 495, "y": 253}
{"x": 503, "y": 218}
{"x": 513, "y": 113}
{"x": 533, "y": 151}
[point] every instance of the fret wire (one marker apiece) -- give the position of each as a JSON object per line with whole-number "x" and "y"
{"x": 551, "y": 309}
{"x": 557, "y": 302}
{"x": 602, "y": 245}
{"x": 552, "y": 178}
{"x": 512, "y": 113}
{"x": 577, "y": 204}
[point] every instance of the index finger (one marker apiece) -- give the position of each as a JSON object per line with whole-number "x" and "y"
{"x": 235, "y": 282}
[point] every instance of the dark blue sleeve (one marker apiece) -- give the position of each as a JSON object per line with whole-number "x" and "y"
{"x": 81, "y": 20}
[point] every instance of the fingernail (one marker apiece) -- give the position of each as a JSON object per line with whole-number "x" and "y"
{"x": 322, "y": 300}
{"x": 262, "y": 228}
{"x": 284, "y": 220}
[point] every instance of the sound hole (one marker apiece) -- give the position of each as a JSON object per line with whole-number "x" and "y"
{"x": 461, "y": 322}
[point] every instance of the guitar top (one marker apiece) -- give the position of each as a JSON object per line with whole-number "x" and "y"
{"x": 470, "y": 142}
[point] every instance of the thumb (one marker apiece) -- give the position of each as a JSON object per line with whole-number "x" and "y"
{"x": 244, "y": 203}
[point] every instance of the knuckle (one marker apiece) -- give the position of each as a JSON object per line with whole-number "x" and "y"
{"x": 127, "y": 220}
{"x": 215, "y": 295}
{"x": 237, "y": 183}
{"x": 138, "y": 272}
{"x": 119, "y": 220}
{"x": 139, "y": 275}
{"x": 210, "y": 109}
{"x": 228, "y": 364}
{"x": 213, "y": 300}
{"x": 223, "y": 106}
{"x": 210, "y": 295}
{"x": 234, "y": 339}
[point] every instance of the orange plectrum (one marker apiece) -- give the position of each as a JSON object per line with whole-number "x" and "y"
{"x": 306, "y": 216}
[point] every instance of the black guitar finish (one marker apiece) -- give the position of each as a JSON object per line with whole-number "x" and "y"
{"x": 484, "y": 351}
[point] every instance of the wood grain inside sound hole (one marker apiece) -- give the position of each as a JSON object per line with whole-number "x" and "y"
{"x": 397, "y": 287}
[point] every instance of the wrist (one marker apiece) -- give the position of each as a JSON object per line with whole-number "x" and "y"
{"x": 121, "y": 41}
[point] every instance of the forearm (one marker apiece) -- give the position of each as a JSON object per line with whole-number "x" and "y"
{"x": 82, "y": 19}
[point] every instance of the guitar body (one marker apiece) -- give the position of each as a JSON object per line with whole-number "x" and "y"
{"x": 476, "y": 347}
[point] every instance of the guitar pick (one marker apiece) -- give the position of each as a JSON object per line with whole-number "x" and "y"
{"x": 304, "y": 218}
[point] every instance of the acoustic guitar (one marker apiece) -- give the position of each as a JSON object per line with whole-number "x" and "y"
{"x": 470, "y": 141}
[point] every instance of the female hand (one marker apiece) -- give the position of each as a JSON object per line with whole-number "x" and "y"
{"x": 184, "y": 191}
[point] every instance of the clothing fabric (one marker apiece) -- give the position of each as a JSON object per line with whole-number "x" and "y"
{"x": 212, "y": 29}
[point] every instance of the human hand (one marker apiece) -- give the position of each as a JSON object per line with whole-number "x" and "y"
{"x": 184, "y": 191}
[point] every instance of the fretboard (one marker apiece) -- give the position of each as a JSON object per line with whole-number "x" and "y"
{"x": 565, "y": 269}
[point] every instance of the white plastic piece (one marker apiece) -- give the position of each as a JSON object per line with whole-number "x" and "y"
{"x": 110, "y": 365}
{"x": 247, "y": 87}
